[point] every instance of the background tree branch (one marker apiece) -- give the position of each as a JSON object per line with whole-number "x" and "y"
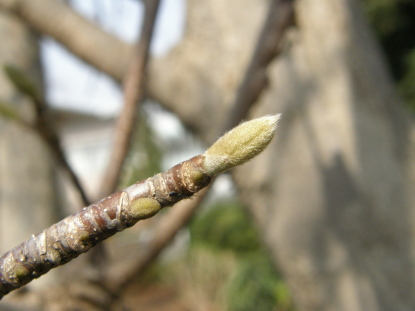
{"x": 280, "y": 16}
{"x": 83, "y": 38}
{"x": 133, "y": 86}
{"x": 43, "y": 125}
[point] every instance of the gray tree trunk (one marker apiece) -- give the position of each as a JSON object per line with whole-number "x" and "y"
{"x": 335, "y": 195}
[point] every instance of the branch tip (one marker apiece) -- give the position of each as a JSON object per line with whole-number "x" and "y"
{"x": 240, "y": 144}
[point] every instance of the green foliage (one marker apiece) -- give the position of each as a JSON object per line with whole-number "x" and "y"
{"x": 226, "y": 226}
{"x": 202, "y": 278}
{"x": 394, "y": 24}
{"x": 255, "y": 284}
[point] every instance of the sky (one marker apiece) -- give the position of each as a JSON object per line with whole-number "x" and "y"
{"x": 74, "y": 85}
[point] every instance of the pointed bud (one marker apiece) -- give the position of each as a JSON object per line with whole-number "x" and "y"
{"x": 240, "y": 144}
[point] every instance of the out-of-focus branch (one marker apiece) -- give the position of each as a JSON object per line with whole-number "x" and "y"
{"x": 80, "y": 36}
{"x": 43, "y": 125}
{"x": 280, "y": 16}
{"x": 9, "y": 307}
{"x": 164, "y": 232}
{"x": 9, "y": 113}
{"x": 133, "y": 93}
{"x": 48, "y": 132}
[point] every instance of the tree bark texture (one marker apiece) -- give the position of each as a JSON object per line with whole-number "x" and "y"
{"x": 78, "y": 233}
{"x": 333, "y": 195}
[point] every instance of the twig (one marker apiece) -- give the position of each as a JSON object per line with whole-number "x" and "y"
{"x": 133, "y": 93}
{"x": 79, "y": 232}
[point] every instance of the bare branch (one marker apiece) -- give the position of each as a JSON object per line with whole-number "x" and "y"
{"x": 133, "y": 94}
{"x": 79, "y": 232}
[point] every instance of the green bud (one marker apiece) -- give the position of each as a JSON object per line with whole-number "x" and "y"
{"x": 143, "y": 208}
{"x": 240, "y": 144}
{"x": 21, "y": 272}
{"x": 84, "y": 236}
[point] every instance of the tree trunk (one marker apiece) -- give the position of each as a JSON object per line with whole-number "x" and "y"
{"x": 332, "y": 195}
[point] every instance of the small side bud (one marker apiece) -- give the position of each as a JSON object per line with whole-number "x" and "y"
{"x": 21, "y": 272}
{"x": 240, "y": 144}
{"x": 143, "y": 208}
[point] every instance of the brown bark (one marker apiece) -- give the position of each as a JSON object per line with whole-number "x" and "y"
{"x": 79, "y": 232}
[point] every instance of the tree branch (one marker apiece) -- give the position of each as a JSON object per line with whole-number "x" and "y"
{"x": 43, "y": 125}
{"x": 79, "y": 232}
{"x": 133, "y": 93}
{"x": 280, "y": 16}
{"x": 86, "y": 40}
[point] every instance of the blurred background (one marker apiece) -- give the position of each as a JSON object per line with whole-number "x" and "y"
{"x": 98, "y": 94}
